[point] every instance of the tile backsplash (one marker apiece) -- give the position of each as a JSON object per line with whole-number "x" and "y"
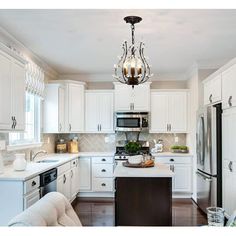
{"x": 107, "y": 142}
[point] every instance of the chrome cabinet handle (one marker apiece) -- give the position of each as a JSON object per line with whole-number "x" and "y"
{"x": 98, "y": 127}
{"x": 167, "y": 127}
{"x": 210, "y": 98}
{"x": 15, "y": 122}
{"x": 170, "y": 127}
{"x": 64, "y": 179}
{"x": 103, "y": 170}
{"x": 12, "y": 118}
{"x": 70, "y": 127}
{"x": 230, "y": 101}
{"x": 103, "y": 184}
{"x": 230, "y": 165}
{"x": 60, "y": 127}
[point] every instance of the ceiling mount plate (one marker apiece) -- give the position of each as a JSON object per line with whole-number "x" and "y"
{"x": 132, "y": 19}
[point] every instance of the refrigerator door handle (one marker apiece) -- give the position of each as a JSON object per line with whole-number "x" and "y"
{"x": 204, "y": 176}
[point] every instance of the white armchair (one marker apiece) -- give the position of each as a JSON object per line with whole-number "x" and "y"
{"x": 53, "y": 209}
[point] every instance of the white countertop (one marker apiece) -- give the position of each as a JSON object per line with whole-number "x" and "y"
{"x": 33, "y": 169}
{"x": 159, "y": 170}
{"x": 171, "y": 154}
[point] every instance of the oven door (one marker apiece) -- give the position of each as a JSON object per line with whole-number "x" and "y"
{"x": 128, "y": 123}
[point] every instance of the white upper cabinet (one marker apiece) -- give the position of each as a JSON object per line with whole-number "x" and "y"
{"x": 228, "y": 87}
{"x": 12, "y": 93}
{"x": 212, "y": 90}
{"x": 54, "y": 108}
{"x": 128, "y": 98}
{"x": 75, "y": 105}
{"x": 169, "y": 112}
{"x": 99, "y": 111}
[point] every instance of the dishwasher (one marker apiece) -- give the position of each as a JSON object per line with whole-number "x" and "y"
{"x": 48, "y": 182}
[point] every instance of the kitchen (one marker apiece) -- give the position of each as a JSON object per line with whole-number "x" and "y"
{"x": 79, "y": 131}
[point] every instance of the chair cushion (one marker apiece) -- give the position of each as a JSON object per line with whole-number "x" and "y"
{"x": 53, "y": 209}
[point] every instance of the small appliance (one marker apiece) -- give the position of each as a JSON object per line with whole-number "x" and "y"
{"x": 131, "y": 121}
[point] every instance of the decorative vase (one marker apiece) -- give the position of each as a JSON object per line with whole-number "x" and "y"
{"x": 19, "y": 163}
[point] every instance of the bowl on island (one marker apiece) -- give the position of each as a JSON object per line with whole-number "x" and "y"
{"x": 136, "y": 159}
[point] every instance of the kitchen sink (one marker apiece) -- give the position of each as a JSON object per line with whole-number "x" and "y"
{"x": 47, "y": 161}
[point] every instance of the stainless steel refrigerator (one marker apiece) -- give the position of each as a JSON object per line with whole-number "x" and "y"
{"x": 209, "y": 157}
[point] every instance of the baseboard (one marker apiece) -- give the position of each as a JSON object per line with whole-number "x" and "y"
{"x": 95, "y": 194}
{"x": 181, "y": 195}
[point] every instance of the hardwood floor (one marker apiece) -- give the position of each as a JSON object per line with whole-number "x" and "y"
{"x": 101, "y": 212}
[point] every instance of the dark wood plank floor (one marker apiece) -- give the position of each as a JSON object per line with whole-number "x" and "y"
{"x": 101, "y": 212}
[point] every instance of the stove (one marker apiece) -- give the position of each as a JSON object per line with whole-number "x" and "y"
{"x": 121, "y": 154}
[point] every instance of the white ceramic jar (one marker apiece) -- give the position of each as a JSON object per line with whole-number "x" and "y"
{"x": 19, "y": 163}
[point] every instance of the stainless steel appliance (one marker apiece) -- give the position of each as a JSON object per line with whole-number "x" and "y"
{"x": 131, "y": 121}
{"x": 209, "y": 151}
{"x": 48, "y": 182}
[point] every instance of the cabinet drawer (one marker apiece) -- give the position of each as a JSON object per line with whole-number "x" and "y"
{"x": 102, "y": 160}
{"x": 74, "y": 163}
{"x": 31, "y": 184}
{"x": 102, "y": 170}
{"x": 169, "y": 160}
{"x": 63, "y": 168}
{"x": 31, "y": 198}
{"x": 103, "y": 184}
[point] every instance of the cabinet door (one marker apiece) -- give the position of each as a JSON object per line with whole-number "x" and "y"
{"x": 216, "y": 89}
{"x": 61, "y": 109}
{"x": 106, "y": 112}
{"x": 228, "y": 87}
{"x": 141, "y": 97}
{"x": 122, "y": 97}
{"x": 5, "y": 92}
{"x": 183, "y": 178}
{"x": 60, "y": 184}
{"x": 75, "y": 107}
{"x": 74, "y": 181}
{"x": 159, "y": 112}
{"x": 92, "y": 112}
{"x": 177, "y": 111}
{"x": 18, "y": 94}
{"x": 84, "y": 174}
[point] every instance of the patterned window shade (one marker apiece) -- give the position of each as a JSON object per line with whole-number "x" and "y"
{"x": 34, "y": 79}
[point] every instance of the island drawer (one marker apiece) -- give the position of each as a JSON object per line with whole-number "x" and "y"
{"x": 103, "y": 184}
{"x": 172, "y": 159}
{"x": 31, "y": 184}
{"x": 102, "y": 170}
{"x": 100, "y": 160}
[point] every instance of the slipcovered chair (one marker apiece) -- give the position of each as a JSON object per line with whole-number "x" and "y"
{"x": 53, "y": 209}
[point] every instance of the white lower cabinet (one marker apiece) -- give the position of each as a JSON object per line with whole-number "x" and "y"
{"x": 68, "y": 179}
{"x": 16, "y": 196}
{"x": 182, "y": 168}
{"x": 96, "y": 175}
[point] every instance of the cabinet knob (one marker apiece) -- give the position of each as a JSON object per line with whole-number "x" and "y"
{"x": 230, "y": 165}
{"x": 103, "y": 184}
{"x": 103, "y": 159}
{"x": 172, "y": 159}
{"x": 33, "y": 183}
{"x": 210, "y": 98}
{"x": 230, "y": 101}
{"x": 103, "y": 170}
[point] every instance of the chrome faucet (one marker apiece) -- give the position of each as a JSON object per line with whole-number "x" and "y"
{"x": 33, "y": 155}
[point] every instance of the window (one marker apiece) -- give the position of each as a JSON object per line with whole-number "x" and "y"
{"x": 32, "y": 123}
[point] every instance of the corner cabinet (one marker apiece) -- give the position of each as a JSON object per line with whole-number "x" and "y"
{"x": 169, "y": 111}
{"x": 12, "y": 92}
{"x": 128, "y": 98}
{"x": 64, "y": 107}
{"x": 99, "y": 111}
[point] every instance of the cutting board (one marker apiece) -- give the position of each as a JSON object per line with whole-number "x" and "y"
{"x": 141, "y": 165}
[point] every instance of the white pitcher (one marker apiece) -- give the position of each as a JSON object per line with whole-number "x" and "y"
{"x": 19, "y": 163}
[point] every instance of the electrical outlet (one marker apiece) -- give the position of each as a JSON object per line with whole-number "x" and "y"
{"x": 176, "y": 139}
{"x": 2, "y": 144}
{"x": 106, "y": 139}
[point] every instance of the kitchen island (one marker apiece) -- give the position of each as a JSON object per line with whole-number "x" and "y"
{"x": 143, "y": 196}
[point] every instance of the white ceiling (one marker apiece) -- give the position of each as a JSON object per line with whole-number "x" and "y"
{"x": 89, "y": 41}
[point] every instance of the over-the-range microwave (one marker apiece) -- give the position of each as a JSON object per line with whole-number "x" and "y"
{"x": 131, "y": 121}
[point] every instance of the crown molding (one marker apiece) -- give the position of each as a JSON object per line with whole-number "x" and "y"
{"x": 10, "y": 41}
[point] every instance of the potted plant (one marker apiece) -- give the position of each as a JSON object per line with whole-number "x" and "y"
{"x": 179, "y": 149}
{"x": 132, "y": 148}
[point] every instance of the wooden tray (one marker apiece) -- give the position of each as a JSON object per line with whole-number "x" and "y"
{"x": 141, "y": 165}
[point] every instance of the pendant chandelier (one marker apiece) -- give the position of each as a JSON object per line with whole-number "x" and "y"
{"x": 132, "y": 68}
